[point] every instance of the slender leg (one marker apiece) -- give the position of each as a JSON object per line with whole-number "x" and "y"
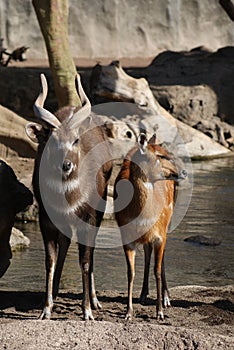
{"x": 94, "y": 300}
{"x": 130, "y": 253}
{"x": 145, "y": 287}
{"x": 158, "y": 250}
{"x": 51, "y": 257}
{"x": 86, "y": 251}
{"x": 93, "y": 296}
{"x": 64, "y": 243}
{"x": 165, "y": 292}
{"x": 85, "y": 257}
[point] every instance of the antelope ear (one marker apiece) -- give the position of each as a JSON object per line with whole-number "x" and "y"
{"x": 142, "y": 142}
{"x": 85, "y": 126}
{"x": 33, "y": 130}
{"x": 152, "y": 140}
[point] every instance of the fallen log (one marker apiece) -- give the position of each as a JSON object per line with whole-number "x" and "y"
{"x": 111, "y": 83}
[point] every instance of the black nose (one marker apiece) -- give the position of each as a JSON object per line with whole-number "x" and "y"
{"x": 67, "y": 164}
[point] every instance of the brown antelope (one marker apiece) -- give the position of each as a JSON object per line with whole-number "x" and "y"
{"x": 150, "y": 172}
{"x": 70, "y": 188}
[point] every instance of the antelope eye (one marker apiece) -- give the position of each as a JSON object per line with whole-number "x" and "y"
{"x": 76, "y": 142}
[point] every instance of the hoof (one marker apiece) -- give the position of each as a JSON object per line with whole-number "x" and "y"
{"x": 95, "y": 304}
{"x": 160, "y": 316}
{"x": 128, "y": 317}
{"x": 129, "y": 314}
{"x": 45, "y": 314}
{"x": 88, "y": 315}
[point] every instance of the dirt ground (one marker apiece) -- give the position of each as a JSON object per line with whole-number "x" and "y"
{"x": 200, "y": 318}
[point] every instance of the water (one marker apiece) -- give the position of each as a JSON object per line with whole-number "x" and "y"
{"x": 211, "y": 213}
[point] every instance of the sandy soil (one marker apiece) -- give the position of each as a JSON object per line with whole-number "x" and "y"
{"x": 200, "y": 318}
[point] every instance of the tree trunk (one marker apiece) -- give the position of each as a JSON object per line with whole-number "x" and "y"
{"x": 53, "y": 20}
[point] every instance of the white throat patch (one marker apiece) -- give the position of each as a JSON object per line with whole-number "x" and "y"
{"x": 149, "y": 186}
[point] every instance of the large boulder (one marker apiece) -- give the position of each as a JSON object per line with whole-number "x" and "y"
{"x": 196, "y": 87}
{"x": 14, "y": 197}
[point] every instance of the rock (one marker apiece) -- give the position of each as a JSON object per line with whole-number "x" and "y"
{"x": 18, "y": 240}
{"x": 14, "y": 197}
{"x": 196, "y": 86}
{"x": 190, "y": 103}
{"x": 112, "y": 83}
{"x": 203, "y": 240}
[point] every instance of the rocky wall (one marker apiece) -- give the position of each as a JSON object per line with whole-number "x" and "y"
{"x": 122, "y": 28}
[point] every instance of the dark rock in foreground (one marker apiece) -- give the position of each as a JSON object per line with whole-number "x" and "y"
{"x": 14, "y": 197}
{"x": 203, "y": 240}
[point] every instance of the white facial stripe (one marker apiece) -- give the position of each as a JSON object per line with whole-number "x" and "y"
{"x": 65, "y": 146}
{"x": 71, "y": 185}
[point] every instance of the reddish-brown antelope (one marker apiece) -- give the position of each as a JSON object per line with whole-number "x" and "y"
{"x": 70, "y": 184}
{"x": 147, "y": 177}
